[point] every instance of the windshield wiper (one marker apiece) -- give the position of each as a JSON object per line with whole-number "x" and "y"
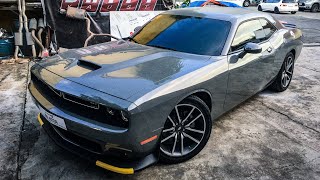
{"x": 162, "y": 47}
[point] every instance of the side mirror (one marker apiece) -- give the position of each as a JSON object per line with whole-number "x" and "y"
{"x": 251, "y": 48}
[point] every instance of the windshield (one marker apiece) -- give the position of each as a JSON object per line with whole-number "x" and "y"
{"x": 188, "y": 34}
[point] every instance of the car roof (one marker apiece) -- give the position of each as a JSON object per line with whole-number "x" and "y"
{"x": 220, "y": 13}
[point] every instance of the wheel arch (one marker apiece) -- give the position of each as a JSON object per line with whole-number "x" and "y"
{"x": 203, "y": 94}
{"x": 293, "y": 51}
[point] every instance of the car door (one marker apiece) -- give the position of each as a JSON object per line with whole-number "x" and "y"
{"x": 249, "y": 74}
{"x": 266, "y": 4}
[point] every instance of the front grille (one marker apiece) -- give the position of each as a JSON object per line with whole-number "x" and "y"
{"x": 71, "y": 104}
{"x": 78, "y": 140}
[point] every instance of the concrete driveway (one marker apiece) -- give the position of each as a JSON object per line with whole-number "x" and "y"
{"x": 270, "y": 136}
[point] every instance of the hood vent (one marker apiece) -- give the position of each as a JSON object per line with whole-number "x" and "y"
{"x": 88, "y": 65}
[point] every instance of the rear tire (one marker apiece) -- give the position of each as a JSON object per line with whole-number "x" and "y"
{"x": 184, "y": 136}
{"x": 276, "y": 10}
{"x": 315, "y": 8}
{"x": 284, "y": 77}
{"x": 246, "y": 3}
{"x": 293, "y": 12}
{"x": 259, "y": 8}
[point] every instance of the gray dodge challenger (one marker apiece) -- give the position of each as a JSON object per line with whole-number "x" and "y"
{"x": 124, "y": 105}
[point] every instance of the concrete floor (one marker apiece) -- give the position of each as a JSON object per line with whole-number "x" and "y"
{"x": 271, "y": 136}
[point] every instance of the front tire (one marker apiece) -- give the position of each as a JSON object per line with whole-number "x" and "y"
{"x": 285, "y": 74}
{"x": 259, "y": 8}
{"x": 293, "y": 12}
{"x": 186, "y": 131}
{"x": 276, "y": 10}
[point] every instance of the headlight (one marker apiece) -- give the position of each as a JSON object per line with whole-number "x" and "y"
{"x": 123, "y": 116}
{"x": 117, "y": 117}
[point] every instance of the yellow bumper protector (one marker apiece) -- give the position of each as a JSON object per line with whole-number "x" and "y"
{"x": 115, "y": 169}
{"x": 40, "y": 120}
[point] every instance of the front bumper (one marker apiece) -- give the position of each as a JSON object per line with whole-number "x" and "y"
{"x": 109, "y": 163}
{"x": 94, "y": 140}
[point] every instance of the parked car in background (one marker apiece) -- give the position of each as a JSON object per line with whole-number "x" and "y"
{"x": 247, "y": 3}
{"x": 279, "y": 6}
{"x": 312, "y": 5}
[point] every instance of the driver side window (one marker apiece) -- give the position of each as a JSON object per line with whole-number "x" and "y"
{"x": 250, "y": 31}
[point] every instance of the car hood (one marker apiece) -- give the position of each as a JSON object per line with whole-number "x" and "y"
{"x": 123, "y": 69}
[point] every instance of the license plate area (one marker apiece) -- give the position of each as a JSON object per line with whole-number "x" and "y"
{"x": 53, "y": 119}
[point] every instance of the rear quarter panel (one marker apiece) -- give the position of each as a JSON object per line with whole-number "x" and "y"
{"x": 284, "y": 41}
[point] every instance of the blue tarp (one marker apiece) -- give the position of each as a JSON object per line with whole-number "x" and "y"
{"x": 196, "y": 3}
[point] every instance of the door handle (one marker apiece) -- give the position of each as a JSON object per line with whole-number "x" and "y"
{"x": 269, "y": 49}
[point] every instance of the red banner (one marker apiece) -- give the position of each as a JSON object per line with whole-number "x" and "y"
{"x": 72, "y": 3}
{"x": 147, "y": 5}
{"x": 109, "y": 5}
{"x": 128, "y": 5}
{"x": 90, "y": 5}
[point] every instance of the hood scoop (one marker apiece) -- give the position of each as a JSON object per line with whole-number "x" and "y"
{"x": 88, "y": 65}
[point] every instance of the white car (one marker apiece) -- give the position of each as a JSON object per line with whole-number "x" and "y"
{"x": 279, "y": 6}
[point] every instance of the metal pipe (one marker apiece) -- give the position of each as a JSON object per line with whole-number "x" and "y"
{"x": 25, "y": 18}
{"x": 33, "y": 27}
{"x": 91, "y": 34}
{"x": 20, "y": 29}
{"x": 40, "y": 35}
{"x": 81, "y": 14}
{"x": 33, "y": 34}
{"x": 40, "y": 39}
